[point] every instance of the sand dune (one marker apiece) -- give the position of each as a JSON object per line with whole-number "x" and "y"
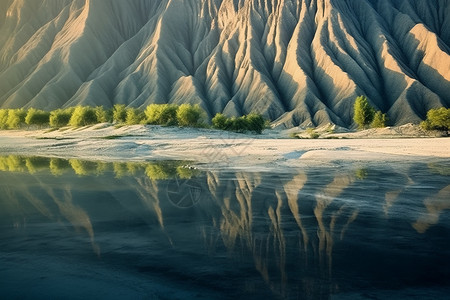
{"x": 296, "y": 62}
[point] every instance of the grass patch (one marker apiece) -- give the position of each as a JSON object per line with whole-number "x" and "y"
{"x": 294, "y": 135}
{"x": 312, "y": 133}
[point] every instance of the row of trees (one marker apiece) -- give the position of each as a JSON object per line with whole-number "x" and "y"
{"x": 366, "y": 116}
{"x": 161, "y": 114}
{"x": 184, "y": 115}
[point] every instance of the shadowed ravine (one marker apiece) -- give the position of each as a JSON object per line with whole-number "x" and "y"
{"x": 152, "y": 228}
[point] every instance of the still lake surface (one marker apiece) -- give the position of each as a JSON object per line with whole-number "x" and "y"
{"x": 74, "y": 229}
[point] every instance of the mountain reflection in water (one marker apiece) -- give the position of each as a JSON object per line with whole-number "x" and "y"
{"x": 306, "y": 234}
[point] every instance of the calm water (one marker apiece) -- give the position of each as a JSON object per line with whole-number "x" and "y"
{"x": 72, "y": 229}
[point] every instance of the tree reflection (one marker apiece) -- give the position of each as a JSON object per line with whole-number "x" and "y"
{"x": 288, "y": 225}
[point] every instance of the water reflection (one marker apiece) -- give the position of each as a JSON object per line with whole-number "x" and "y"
{"x": 156, "y": 170}
{"x": 307, "y": 234}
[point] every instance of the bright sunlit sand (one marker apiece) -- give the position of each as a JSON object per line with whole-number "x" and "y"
{"x": 212, "y": 148}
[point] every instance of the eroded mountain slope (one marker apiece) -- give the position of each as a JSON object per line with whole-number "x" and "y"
{"x": 294, "y": 61}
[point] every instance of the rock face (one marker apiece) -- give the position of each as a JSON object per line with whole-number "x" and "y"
{"x": 297, "y": 62}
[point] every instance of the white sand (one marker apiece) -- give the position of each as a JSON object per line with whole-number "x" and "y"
{"x": 218, "y": 149}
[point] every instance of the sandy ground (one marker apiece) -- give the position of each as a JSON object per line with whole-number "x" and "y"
{"x": 212, "y": 148}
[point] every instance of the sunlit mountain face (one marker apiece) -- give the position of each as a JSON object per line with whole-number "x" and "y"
{"x": 78, "y": 228}
{"x": 294, "y": 61}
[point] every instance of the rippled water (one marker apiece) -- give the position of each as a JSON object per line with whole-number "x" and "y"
{"x": 82, "y": 229}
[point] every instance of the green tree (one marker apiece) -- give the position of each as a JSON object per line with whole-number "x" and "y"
{"x": 60, "y": 117}
{"x": 239, "y": 124}
{"x": 119, "y": 113}
{"x": 379, "y": 120}
{"x": 190, "y": 115}
{"x": 363, "y": 112}
{"x": 153, "y": 112}
{"x": 103, "y": 116}
{"x": 37, "y": 117}
{"x": 134, "y": 116}
{"x": 256, "y": 123}
{"x": 220, "y": 121}
{"x": 251, "y": 122}
{"x": 3, "y": 118}
{"x": 162, "y": 114}
{"x": 82, "y": 116}
{"x": 16, "y": 117}
{"x": 437, "y": 119}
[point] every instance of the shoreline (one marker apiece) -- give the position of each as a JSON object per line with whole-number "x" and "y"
{"x": 218, "y": 149}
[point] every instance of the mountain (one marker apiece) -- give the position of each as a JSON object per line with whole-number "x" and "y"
{"x": 297, "y": 62}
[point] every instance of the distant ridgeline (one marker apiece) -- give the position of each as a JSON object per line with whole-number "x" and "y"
{"x": 294, "y": 62}
{"x": 184, "y": 115}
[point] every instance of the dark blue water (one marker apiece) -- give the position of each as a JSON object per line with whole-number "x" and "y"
{"x": 72, "y": 229}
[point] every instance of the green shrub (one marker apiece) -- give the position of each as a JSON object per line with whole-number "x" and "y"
{"x": 256, "y": 123}
{"x": 330, "y": 129}
{"x": 379, "y": 120}
{"x": 312, "y": 133}
{"x": 162, "y": 114}
{"x": 3, "y": 118}
{"x": 190, "y": 115}
{"x": 252, "y": 122}
{"x": 119, "y": 113}
{"x": 60, "y": 117}
{"x": 426, "y": 125}
{"x": 239, "y": 124}
{"x": 437, "y": 119}
{"x": 134, "y": 116}
{"x": 37, "y": 117}
{"x": 152, "y": 113}
{"x": 16, "y": 117}
{"x": 220, "y": 121}
{"x": 82, "y": 116}
{"x": 103, "y": 116}
{"x": 363, "y": 112}
{"x": 294, "y": 135}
